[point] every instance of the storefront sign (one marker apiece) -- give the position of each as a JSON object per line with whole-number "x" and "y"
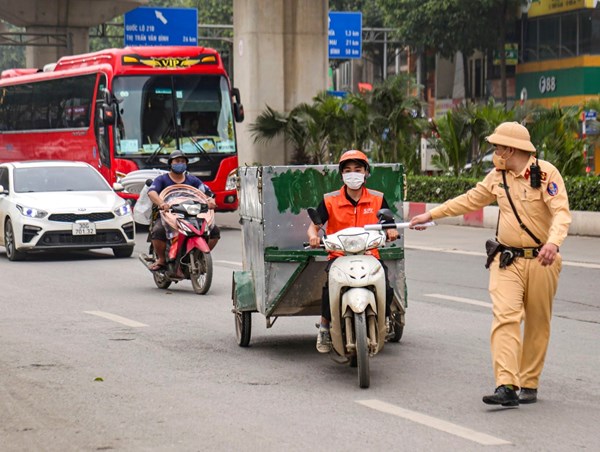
{"x": 537, "y": 8}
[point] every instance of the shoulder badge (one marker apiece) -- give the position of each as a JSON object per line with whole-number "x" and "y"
{"x": 552, "y": 189}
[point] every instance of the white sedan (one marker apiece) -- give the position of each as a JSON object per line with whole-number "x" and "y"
{"x": 61, "y": 205}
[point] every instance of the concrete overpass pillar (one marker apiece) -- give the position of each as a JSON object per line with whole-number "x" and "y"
{"x": 77, "y": 41}
{"x": 280, "y": 60}
{"x": 70, "y": 17}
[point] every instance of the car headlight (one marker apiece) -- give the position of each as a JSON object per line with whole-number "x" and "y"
{"x": 31, "y": 212}
{"x": 123, "y": 209}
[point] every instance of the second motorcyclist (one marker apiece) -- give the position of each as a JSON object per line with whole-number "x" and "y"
{"x": 352, "y": 205}
{"x": 177, "y": 175}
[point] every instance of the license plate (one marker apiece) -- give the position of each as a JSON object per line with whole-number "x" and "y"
{"x": 84, "y": 228}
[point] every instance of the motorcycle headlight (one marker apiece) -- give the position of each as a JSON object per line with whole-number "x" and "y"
{"x": 192, "y": 209}
{"x": 31, "y": 212}
{"x": 123, "y": 209}
{"x": 354, "y": 243}
{"x": 231, "y": 183}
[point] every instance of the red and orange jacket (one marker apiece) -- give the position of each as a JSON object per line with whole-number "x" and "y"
{"x": 343, "y": 214}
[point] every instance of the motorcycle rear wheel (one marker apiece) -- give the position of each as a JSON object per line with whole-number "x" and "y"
{"x": 201, "y": 271}
{"x": 362, "y": 350}
{"x": 160, "y": 279}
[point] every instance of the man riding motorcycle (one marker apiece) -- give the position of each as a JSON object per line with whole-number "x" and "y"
{"x": 177, "y": 175}
{"x": 352, "y": 205}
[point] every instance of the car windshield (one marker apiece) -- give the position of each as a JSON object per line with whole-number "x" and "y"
{"x": 58, "y": 178}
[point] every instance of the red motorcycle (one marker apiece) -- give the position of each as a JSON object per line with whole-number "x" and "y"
{"x": 187, "y": 223}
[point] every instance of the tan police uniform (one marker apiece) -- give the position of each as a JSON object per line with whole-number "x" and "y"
{"x": 524, "y": 290}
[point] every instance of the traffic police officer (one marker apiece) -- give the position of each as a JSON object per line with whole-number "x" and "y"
{"x": 524, "y": 273}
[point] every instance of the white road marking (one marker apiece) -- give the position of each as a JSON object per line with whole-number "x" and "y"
{"x": 459, "y": 299}
{"x": 581, "y": 264}
{"x": 438, "y": 424}
{"x": 477, "y": 253}
{"x": 117, "y": 318}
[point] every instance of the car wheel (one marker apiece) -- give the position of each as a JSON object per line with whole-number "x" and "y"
{"x": 123, "y": 251}
{"x": 10, "y": 244}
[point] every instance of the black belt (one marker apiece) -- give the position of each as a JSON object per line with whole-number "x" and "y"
{"x": 527, "y": 253}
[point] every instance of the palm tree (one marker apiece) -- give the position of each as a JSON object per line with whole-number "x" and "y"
{"x": 395, "y": 122}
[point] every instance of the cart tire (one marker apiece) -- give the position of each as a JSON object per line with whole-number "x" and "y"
{"x": 398, "y": 330}
{"x": 398, "y": 326}
{"x": 202, "y": 271}
{"x": 243, "y": 327}
{"x": 362, "y": 350}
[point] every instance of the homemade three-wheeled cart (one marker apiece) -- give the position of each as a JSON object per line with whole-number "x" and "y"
{"x": 282, "y": 278}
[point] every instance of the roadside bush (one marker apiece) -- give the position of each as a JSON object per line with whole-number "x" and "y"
{"x": 584, "y": 192}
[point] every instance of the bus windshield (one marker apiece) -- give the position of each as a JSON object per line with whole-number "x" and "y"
{"x": 160, "y": 113}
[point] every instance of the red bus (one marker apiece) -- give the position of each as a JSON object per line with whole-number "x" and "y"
{"x": 126, "y": 109}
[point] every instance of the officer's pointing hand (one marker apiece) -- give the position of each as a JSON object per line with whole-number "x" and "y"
{"x": 418, "y": 220}
{"x": 547, "y": 254}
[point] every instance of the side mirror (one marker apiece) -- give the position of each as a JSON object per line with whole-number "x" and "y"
{"x": 3, "y": 191}
{"x": 118, "y": 186}
{"x": 238, "y": 108}
{"x": 109, "y": 114}
{"x": 385, "y": 216}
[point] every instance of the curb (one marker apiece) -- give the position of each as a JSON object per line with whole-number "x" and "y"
{"x": 584, "y": 223}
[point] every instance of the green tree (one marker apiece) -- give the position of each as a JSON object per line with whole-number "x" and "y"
{"x": 555, "y": 134}
{"x": 11, "y": 56}
{"x": 384, "y": 122}
{"x": 449, "y": 26}
{"x": 395, "y": 122}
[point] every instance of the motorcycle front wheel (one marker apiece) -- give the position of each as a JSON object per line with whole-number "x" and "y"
{"x": 201, "y": 271}
{"x": 362, "y": 350}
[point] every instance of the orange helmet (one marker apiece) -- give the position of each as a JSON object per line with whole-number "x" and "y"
{"x": 354, "y": 155}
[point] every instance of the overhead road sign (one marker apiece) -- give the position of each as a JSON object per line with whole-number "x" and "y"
{"x": 345, "y": 35}
{"x": 148, "y": 26}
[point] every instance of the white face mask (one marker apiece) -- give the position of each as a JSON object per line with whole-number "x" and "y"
{"x": 353, "y": 180}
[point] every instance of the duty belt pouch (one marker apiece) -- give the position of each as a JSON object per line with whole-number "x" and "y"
{"x": 506, "y": 258}
{"x": 492, "y": 247}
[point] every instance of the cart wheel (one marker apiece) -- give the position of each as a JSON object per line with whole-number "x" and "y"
{"x": 397, "y": 326}
{"x": 243, "y": 327}
{"x": 362, "y": 350}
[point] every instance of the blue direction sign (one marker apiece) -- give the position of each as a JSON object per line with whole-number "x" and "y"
{"x": 161, "y": 27}
{"x": 345, "y": 35}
